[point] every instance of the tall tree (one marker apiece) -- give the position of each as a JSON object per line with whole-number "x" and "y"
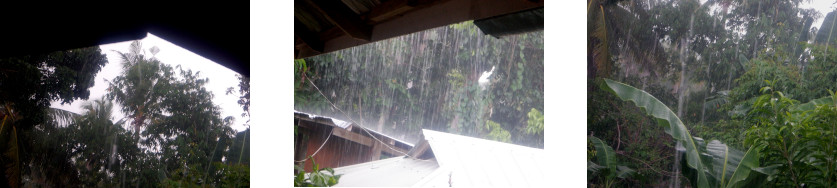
{"x": 29, "y": 84}
{"x": 140, "y": 87}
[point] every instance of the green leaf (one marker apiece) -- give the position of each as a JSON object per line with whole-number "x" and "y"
{"x": 723, "y": 158}
{"x": 812, "y": 104}
{"x": 666, "y": 118}
{"x": 593, "y": 167}
{"x": 332, "y": 181}
{"x": 624, "y": 172}
{"x": 330, "y": 170}
{"x": 300, "y": 177}
{"x": 605, "y": 154}
{"x": 748, "y": 163}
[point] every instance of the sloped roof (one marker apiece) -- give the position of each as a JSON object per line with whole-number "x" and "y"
{"x": 396, "y": 171}
{"x": 334, "y": 121}
{"x": 475, "y": 162}
{"x": 458, "y": 161}
{"x": 343, "y": 124}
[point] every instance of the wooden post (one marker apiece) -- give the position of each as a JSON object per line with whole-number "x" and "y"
{"x": 376, "y": 151}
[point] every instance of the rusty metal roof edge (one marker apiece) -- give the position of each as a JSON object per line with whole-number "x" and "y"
{"x": 348, "y": 125}
{"x": 382, "y": 134}
{"x": 335, "y": 121}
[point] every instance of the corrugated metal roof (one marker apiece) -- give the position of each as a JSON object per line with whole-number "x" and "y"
{"x": 474, "y": 162}
{"x": 384, "y": 135}
{"x": 459, "y": 161}
{"x": 392, "y": 172}
{"x": 335, "y": 121}
{"x": 348, "y": 125}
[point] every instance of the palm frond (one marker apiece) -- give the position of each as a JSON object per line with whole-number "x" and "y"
{"x": 600, "y": 48}
{"x": 61, "y": 117}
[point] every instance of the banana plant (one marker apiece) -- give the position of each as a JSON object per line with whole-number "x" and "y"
{"x": 712, "y": 164}
{"x": 829, "y": 100}
{"x": 607, "y": 165}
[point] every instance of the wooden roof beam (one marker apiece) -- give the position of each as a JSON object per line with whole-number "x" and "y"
{"x": 420, "y": 148}
{"x": 354, "y": 137}
{"x": 343, "y": 17}
{"x": 392, "y": 8}
{"x": 396, "y": 151}
{"x": 310, "y": 38}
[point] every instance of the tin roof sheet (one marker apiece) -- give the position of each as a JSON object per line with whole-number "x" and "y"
{"x": 474, "y": 162}
{"x": 392, "y": 172}
{"x": 459, "y": 161}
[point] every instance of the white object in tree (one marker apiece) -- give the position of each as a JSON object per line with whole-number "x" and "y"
{"x": 483, "y": 81}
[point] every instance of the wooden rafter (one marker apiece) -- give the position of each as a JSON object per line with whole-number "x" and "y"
{"x": 310, "y": 38}
{"x": 354, "y": 137}
{"x": 343, "y": 17}
{"x": 393, "y": 8}
{"x": 377, "y": 147}
{"x": 419, "y": 149}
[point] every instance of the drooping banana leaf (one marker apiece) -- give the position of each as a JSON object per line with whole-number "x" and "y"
{"x": 724, "y": 166}
{"x": 666, "y": 118}
{"x": 723, "y": 160}
{"x": 623, "y": 171}
{"x": 607, "y": 158}
{"x": 731, "y": 167}
{"x": 604, "y": 153}
{"x": 813, "y": 104}
{"x": 593, "y": 167}
{"x": 743, "y": 172}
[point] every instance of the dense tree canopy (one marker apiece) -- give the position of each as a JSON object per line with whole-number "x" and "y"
{"x": 174, "y": 134}
{"x": 29, "y": 83}
{"x": 735, "y": 71}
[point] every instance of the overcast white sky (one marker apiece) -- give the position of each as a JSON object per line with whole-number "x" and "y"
{"x": 823, "y": 6}
{"x": 220, "y": 77}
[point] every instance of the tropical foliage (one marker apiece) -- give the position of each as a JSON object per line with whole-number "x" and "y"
{"x": 752, "y": 75}
{"x": 433, "y": 85}
{"x": 174, "y": 134}
{"x": 29, "y": 83}
{"x": 316, "y": 178}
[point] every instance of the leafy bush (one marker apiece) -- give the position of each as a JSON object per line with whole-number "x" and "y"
{"x": 797, "y": 141}
{"x": 535, "y": 123}
{"x": 497, "y": 132}
{"x": 607, "y": 166}
{"x": 712, "y": 164}
{"x": 317, "y": 178}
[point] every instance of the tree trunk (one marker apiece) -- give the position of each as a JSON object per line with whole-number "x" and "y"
{"x": 383, "y": 119}
{"x": 681, "y": 88}
{"x": 708, "y": 91}
{"x": 729, "y": 75}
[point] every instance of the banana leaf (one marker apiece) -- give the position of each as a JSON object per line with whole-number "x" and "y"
{"x": 723, "y": 159}
{"x": 714, "y": 164}
{"x": 666, "y": 118}
{"x": 813, "y": 104}
{"x": 737, "y": 167}
{"x": 607, "y": 161}
{"x": 604, "y": 153}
